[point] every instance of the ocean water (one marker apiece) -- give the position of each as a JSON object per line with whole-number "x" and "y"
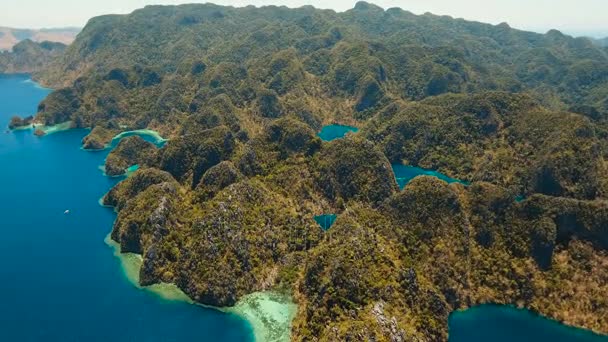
{"x": 507, "y": 324}
{"x": 405, "y": 173}
{"x": 332, "y": 132}
{"x": 59, "y": 281}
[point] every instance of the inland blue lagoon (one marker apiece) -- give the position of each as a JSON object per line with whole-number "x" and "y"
{"x": 59, "y": 281}
{"x": 326, "y": 220}
{"x": 499, "y": 323}
{"x": 405, "y": 173}
{"x": 332, "y": 132}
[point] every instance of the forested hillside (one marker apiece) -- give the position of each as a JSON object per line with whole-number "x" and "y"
{"x": 226, "y": 207}
{"x": 29, "y": 57}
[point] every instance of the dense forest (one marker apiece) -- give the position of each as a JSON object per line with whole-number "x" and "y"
{"x": 226, "y": 207}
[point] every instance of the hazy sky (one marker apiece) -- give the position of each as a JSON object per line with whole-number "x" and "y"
{"x": 571, "y": 16}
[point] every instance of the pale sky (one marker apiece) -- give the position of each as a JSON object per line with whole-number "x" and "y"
{"x": 577, "y": 17}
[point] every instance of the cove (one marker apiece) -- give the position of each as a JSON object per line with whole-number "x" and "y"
{"x": 332, "y": 132}
{"x": 146, "y": 134}
{"x": 405, "y": 173}
{"x": 59, "y": 281}
{"x": 326, "y": 220}
{"x": 502, "y": 323}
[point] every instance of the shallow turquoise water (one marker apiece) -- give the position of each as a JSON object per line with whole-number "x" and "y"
{"x": 326, "y": 220}
{"x": 59, "y": 281}
{"x": 405, "y": 173}
{"x": 506, "y": 324}
{"x": 147, "y": 137}
{"x": 331, "y": 132}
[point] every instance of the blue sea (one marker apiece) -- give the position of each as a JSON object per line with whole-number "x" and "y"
{"x": 59, "y": 281}
{"x": 405, "y": 173}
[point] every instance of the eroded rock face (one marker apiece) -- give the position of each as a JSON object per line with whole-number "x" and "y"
{"x": 119, "y": 195}
{"x": 195, "y": 256}
{"x": 351, "y": 284}
{"x": 217, "y": 178}
{"x": 429, "y": 207}
{"x": 389, "y": 326}
{"x": 144, "y": 218}
{"x": 132, "y": 150}
{"x": 560, "y": 220}
{"x": 292, "y": 136}
{"x": 189, "y": 156}
{"x": 59, "y": 106}
{"x": 353, "y": 169}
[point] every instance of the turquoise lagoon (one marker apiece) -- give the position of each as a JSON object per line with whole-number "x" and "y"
{"x": 332, "y": 132}
{"x": 405, "y": 173}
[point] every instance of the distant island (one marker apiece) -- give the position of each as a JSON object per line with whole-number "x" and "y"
{"x": 601, "y": 42}
{"x": 9, "y": 37}
{"x": 227, "y": 206}
{"x": 29, "y": 51}
{"x": 29, "y": 57}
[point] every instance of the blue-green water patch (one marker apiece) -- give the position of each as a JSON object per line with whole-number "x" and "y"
{"x": 520, "y": 198}
{"x": 500, "y": 323}
{"x": 146, "y": 134}
{"x": 131, "y": 169}
{"x": 326, "y": 220}
{"x": 332, "y": 132}
{"x": 58, "y": 279}
{"x": 405, "y": 173}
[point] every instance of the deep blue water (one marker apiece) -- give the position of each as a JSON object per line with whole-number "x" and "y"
{"x": 59, "y": 281}
{"x": 326, "y": 220}
{"x": 331, "y": 132}
{"x": 507, "y": 324}
{"x": 405, "y": 173}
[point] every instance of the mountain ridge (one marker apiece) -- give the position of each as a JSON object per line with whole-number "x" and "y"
{"x": 29, "y": 57}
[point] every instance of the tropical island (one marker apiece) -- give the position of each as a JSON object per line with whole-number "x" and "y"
{"x": 226, "y": 207}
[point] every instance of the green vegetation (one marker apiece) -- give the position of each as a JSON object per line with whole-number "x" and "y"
{"x": 18, "y": 122}
{"x": 226, "y": 207}
{"x": 130, "y": 151}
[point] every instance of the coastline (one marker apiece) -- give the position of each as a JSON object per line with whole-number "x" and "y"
{"x": 269, "y": 313}
{"x": 64, "y": 126}
{"x": 158, "y": 139}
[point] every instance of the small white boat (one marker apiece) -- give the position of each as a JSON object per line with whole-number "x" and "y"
{"x": 66, "y": 212}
